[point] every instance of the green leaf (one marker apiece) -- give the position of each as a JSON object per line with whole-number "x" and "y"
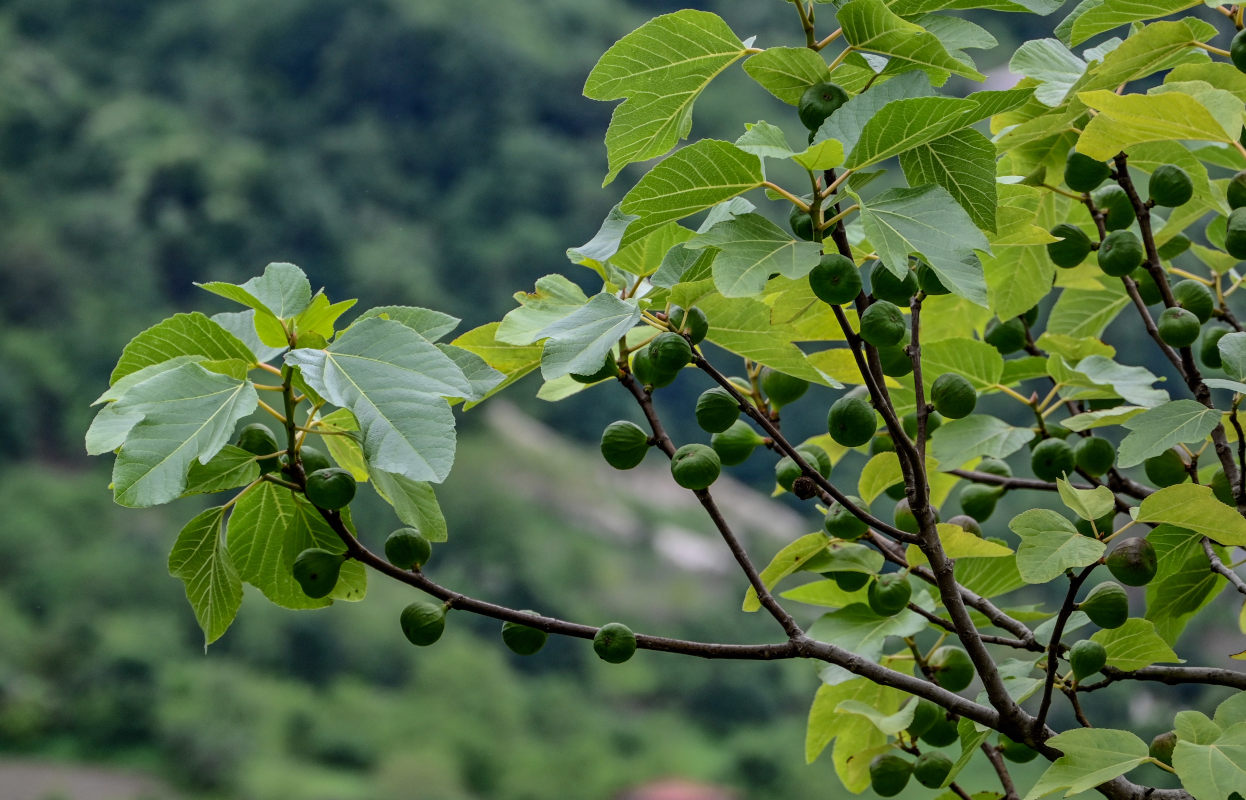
{"x": 976, "y": 361}
{"x": 961, "y": 440}
{"x": 752, "y": 248}
{"x": 1195, "y": 727}
{"x": 269, "y": 527}
{"x": 927, "y": 221}
{"x": 1184, "y": 582}
{"x": 480, "y": 376}
{"x": 869, "y": 25}
{"x": 959, "y": 543}
{"x": 1018, "y": 275}
{"x": 824, "y": 593}
{"x": 909, "y": 7}
{"x": 1131, "y": 119}
{"x": 1085, "y": 313}
{"x": 858, "y": 629}
{"x": 605, "y": 244}
{"x": 430, "y": 324}
{"x": 212, "y": 584}
{"x": 555, "y": 297}
{"x": 890, "y": 724}
{"x": 693, "y": 178}
{"x": 989, "y": 577}
{"x": 765, "y": 140}
{"x": 580, "y": 341}
{"x": 321, "y": 316}
{"x": 1086, "y": 503}
{"x": 1113, "y": 13}
{"x": 1189, "y": 505}
{"x": 788, "y": 560}
{"x": 1091, "y": 757}
{"x": 854, "y": 735}
{"x": 346, "y": 450}
{"x": 786, "y": 72}
{"x": 881, "y": 472}
{"x": 513, "y": 361}
{"x": 963, "y": 163}
{"x": 230, "y": 468}
{"x": 1158, "y": 46}
{"x": 395, "y": 383}
{"x": 1050, "y": 545}
{"x": 1050, "y": 63}
{"x": 660, "y": 68}
{"x": 1135, "y": 645}
{"x": 904, "y": 124}
{"x": 1163, "y": 427}
{"x": 1130, "y": 383}
{"x": 846, "y": 124}
{"x": 1213, "y": 771}
{"x": 242, "y": 325}
{"x": 1232, "y": 349}
{"x": 414, "y": 502}
{"x": 745, "y": 326}
{"x": 280, "y": 294}
{"x": 178, "y": 416}
{"x": 179, "y": 335}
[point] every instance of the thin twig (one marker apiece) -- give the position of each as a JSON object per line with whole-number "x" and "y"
{"x": 1053, "y": 645}
{"x": 1218, "y": 566}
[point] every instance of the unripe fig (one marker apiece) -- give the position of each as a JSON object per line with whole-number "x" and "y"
{"x": 1115, "y": 204}
{"x": 895, "y": 361}
{"x": 925, "y": 715}
{"x": 884, "y": 285}
{"x": 522, "y": 639}
{"x": 423, "y": 622}
{"x": 1094, "y": 455}
{"x": 313, "y": 459}
{"x": 1083, "y": 173}
{"x": 647, "y": 371}
{"x": 317, "y": 570}
{"x": 331, "y": 488}
{"x": 994, "y": 466}
{"x": 904, "y": 518}
{"x": 1194, "y": 297}
{"x": 953, "y": 395}
{"x": 818, "y": 102}
{"x": 841, "y": 522}
{"x": 942, "y": 733}
{"x": 1170, "y": 186}
{"x": 882, "y": 324}
{"x": 670, "y": 352}
{"x": 258, "y": 440}
{"x": 978, "y": 500}
{"x": 1174, "y": 247}
{"x": 1006, "y": 337}
{"x": 836, "y": 279}
{"x": 1177, "y": 327}
{"x": 848, "y": 580}
{"x": 608, "y": 369}
{"x": 782, "y": 389}
{"x": 624, "y": 444}
{"x": 1071, "y": 249}
{"x": 909, "y": 423}
{"x": 1016, "y": 752}
{"x": 1133, "y": 562}
{"x": 931, "y": 769}
{"x": 951, "y": 667}
{"x": 691, "y": 321}
{"x": 716, "y": 410}
{"x": 966, "y": 522}
{"x": 1209, "y": 348}
{"x": 1107, "y": 605}
{"x": 1166, "y": 469}
{"x": 695, "y": 466}
{"x": 1052, "y": 459}
{"x": 1148, "y": 289}
{"x": 1237, "y": 53}
{"x": 1236, "y": 191}
{"x": 889, "y": 594}
{"x": 801, "y": 223}
{"x": 786, "y": 471}
{"x": 929, "y": 281}
{"x": 614, "y": 643}
{"x": 1221, "y": 489}
{"x": 1099, "y": 528}
{"x": 736, "y": 444}
{"x": 1120, "y": 253}
{"x": 851, "y": 421}
{"x": 1087, "y": 657}
{"x": 889, "y": 774}
{"x": 1163, "y": 745}
{"x": 407, "y": 548}
{"x": 1235, "y": 234}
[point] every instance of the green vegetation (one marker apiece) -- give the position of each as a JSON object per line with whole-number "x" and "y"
{"x": 624, "y": 444}
{"x": 695, "y": 466}
{"x": 423, "y": 622}
{"x": 614, "y": 643}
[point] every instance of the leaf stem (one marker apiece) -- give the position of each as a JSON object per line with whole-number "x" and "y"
{"x": 801, "y": 204}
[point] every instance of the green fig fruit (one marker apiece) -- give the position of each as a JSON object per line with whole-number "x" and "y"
{"x": 258, "y": 440}
{"x": 670, "y": 351}
{"x": 1005, "y": 337}
{"x": 953, "y": 395}
{"x": 889, "y": 594}
{"x": 895, "y": 361}
{"x": 1175, "y": 246}
{"x": 736, "y": 444}
{"x": 942, "y": 733}
{"x": 1178, "y": 327}
{"x": 818, "y": 102}
{"x": 836, "y": 279}
{"x": 925, "y": 715}
{"x": 931, "y": 769}
{"x": 317, "y": 570}
{"x": 1148, "y": 289}
{"x": 691, "y": 321}
{"x": 851, "y": 421}
{"x": 331, "y": 488}
{"x": 1163, "y": 745}
{"x": 801, "y": 223}
{"x": 951, "y": 667}
{"x": 1170, "y": 186}
{"x": 1237, "y": 51}
{"x": 1107, "y": 605}
{"x": 849, "y": 580}
{"x": 608, "y": 369}
{"x": 313, "y": 459}
{"x": 928, "y": 280}
{"x": 1235, "y": 233}
{"x": 816, "y": 457}
{"x": 1098, "y": 528}
{"x": 1052, "y": 459}
{"x": 1016, "y": 752}
{"x": 782, "y": 389}
{"x": 1166, "y": 469}
{"x": 909, "y": 423}
{"x": 1071, "y": 249}
{"x": 978, "y": 500}
{"x": 614, "y": 643}
{"x": 1221, "y": 489}
{"x": 786, "y": 472}
{"x": 522, "y": 639}
{"x": 882, "y": 324}
{"x": 1115, "y": 205}
{"x": 1120, "y": 253}
{"x": 423, "y": 622}
{"x": 1209, "y": 348}
{"x": 624, "y": 444}
{"x": 1087, "y": 657}
{"x": 1195, "y": 297}
{"x": 647, "y": 371}
{"x": 1094, "y": 455}
{"x": 889, "y": 774}
{"x": 716, "y": 410}
{"x": 842, "y": 523}
{"x": 1236, "y": 190}
{"x": 1083, "y": 173}
{"x": 1133, "y": 562}
{"x": 695, "y": 466}
{"x": 994, "y": 466}
{"x": 407, "y": 548}
{"x": 884, "y": 285}
{"x": 882, "y": 443}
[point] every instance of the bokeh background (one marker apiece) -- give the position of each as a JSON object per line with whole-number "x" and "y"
{"x": 401, "y": 151}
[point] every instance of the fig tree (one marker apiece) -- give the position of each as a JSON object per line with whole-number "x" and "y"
{"x": 895, "y": 361}
{"x": 423, "y": 622}
{"x": 1094, "y": 455}
{"x": 786, "y": 471}
{"x": 1170, "y": 186}
{"x": 882, "y": 324}
{"x": 522, "y": 639}
{"x": 978, "y": 500}
{"x": 836, "y": 279}
{"x": 953, "y": 395}
{"x": 608, "y": 369}
{"x": 1087, "y": 657}
{"x": 1148, "y": 289}
{"x": 1236, "y": 191}
{"x": 1195, "y": 297}
{"x": 736, "y": 444}
{"x": 1221, "y": 489}
{"x": 1107, "y": 605}
{"x": 942, "y": 733}
{"x": 1133, "y": 562}
{"x": 1052, "y": 459}
{"x": 782, "y": 389}
{"x": 691, "y": 321}
{"x": 1235, "y": 233}
{"x": 994, "y": 466}
{"x": 695, "y": 466}
{"x": 851, "y": 421}
{"x": 1114, "y": 204}
{"x": 624, "y": 444}
{"x": 614, "y": 643}
{"x": 1006, "y": 337}
{"x": 716, "y": 410}
{"x": 1072, "y": 247}
{"x": 1120, "y": 253}
{"x": 951, "y": 667}
{"x": 842, "y": 523}
{"x": 931, "y": 769}
{"x": 818, "y": 102}
{"x": 889, "y": 594}
{"x": 331, "y": 488}
{"x": 925, "y": 715}
{"x": 258, "y": 440}
{"x": 848, "y": 580}
{"x": 884, "y": 285}
{"x": 407, "y": 548}
{"x": 647, "y": 371}
{"x": 801, "y": 223}
{"x": 928, "y": 280}
{"x": 313, "y": 459}
{"x": 670, "y": 352}
{"x": 909, "y": 423}
{"x": 1083, "y": 173}
{"x": 1166, "y": 469}
{"x": 889, "y": 774}
{"x": 317, "y": 570}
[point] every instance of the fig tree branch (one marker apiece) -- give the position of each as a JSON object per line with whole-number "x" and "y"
{"x": 1218, "y": 566}
{"x": 1001, "y": 769}
{"x": 1053, "y": 645}
{"x": 1172, "y": 676}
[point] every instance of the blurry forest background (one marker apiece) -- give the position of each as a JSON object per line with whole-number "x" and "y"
{"x": 400, "y": 151}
